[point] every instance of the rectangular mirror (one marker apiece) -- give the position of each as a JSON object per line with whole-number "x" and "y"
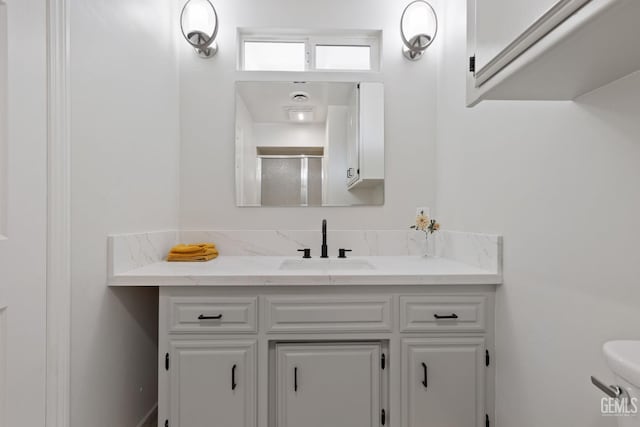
{"x": 309, "y": 143}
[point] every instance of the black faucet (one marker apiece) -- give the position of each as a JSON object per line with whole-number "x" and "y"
{"x": 325, "y": 250}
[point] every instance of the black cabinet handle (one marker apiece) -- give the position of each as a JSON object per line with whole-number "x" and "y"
{"x": 233, "y": 377}
{"x": 216, "y": 317}
{"x": 424, "y": 368}
{"x": 449, "y": 316}
{"x": 295, "y": 379}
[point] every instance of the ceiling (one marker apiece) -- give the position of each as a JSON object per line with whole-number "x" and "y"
{"x": 269, "y": 102}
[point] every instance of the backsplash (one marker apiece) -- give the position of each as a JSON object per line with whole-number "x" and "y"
{"x": 287, "y": 242}
{"x": 130, "y": 251}
{"x": 477, "y": 249}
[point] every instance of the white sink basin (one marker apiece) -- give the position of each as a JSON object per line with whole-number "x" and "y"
{"x": 623, "y": 358}
{"x": 326, "y": 264}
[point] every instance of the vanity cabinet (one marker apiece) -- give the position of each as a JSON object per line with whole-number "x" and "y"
{"x": 321, "y": 385}
{"x": 548, "y": 49}
{"x": 316, "y": 356}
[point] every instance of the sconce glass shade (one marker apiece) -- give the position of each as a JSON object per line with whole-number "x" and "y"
{"x": 199, "y": 24}
{"x": 418, "y": 28}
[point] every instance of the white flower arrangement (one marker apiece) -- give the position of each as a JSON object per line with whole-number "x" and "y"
{"x": 425, "y": 224}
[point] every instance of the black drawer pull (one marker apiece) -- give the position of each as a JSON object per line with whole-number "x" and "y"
{"x": 295, "y": 379}
{"x": 449, "y": 316}
{"x": 216, "y": 317}
{"x": 233, "y": 377}
{"x": 424, "y": 368}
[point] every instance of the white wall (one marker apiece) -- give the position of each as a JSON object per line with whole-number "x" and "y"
{"x": 279, "y": 135}
{"x": 23, "y": 245}
{"x": 4, "y": 61}
{"x": 125, "y": 155}
{"x": 560, "y": 181}
{"x": 246, "y": 187}
{"x": 335, "y": 161}
{"x": 207, "y": 119}
{"x": 289, "y": 135}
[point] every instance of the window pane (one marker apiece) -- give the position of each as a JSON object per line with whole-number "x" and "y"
{"x": 274, "y": 56}
{"x": 343, "y": 57}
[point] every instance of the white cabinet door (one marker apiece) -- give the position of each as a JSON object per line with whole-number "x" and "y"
{"x": 371, "y": 106}
{"x": 212, "y": 383}
{"x": 365, "y": 135}
{"x": 499, "y": 31}
{"x": 353, "y": 137}
{"x": 320, "y": 385}
{"x": 500, "y": 22}
{"x": 443, "y": 382}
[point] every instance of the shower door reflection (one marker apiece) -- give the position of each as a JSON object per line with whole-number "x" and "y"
{"x": 290, "y": 180}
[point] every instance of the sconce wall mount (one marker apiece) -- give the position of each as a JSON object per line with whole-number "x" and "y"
{"x": 199, "y": 25}
{"x": 418, "y": 29}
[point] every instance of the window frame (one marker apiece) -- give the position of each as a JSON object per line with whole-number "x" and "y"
{"x": 371, "y": 39}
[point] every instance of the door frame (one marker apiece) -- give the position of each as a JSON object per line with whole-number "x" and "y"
{"x": 58, "y": 279}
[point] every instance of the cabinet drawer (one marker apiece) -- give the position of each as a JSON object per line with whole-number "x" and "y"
{"x": 320, "y": 314}
{"x": 203, "y": 315}
{"x": 442, "y": 313}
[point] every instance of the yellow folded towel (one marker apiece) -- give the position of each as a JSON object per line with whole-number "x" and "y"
{"x": 192, "y": 248}
{"x": 205, "y": 245}
{"x": 204, "y": 252}
{"x": 197, "y": 258}
{"x": 193, "y": 252}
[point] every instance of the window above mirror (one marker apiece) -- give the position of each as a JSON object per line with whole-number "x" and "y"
{"x": 274, "y": 56}
{"x": 298, "y": 51}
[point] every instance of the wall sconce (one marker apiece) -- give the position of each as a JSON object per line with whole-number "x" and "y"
{"x": 199, "y": 24}
{"x": 418, "y": 28}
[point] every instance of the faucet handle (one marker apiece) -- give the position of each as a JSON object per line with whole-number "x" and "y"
{"x": 342, "y": 253}
{"x": 307, "y": 252}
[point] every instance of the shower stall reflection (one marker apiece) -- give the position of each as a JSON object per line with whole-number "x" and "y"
{"x": 294, "y": 180}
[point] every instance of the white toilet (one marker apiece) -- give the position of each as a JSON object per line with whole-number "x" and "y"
{"x": 623, "y": 358}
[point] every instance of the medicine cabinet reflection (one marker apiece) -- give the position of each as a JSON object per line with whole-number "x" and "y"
{"x": 309, "y": 143}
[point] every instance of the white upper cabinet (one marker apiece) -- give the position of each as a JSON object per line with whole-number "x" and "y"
{"x": 548, "y": 49}
{"x": 365, "y": 152}
{"x": 494, "y": 32}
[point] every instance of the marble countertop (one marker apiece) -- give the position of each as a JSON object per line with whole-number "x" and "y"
{"x": 288, "y": 271}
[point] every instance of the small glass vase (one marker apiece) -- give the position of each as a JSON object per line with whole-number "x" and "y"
{"x": 429, "y": 246}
